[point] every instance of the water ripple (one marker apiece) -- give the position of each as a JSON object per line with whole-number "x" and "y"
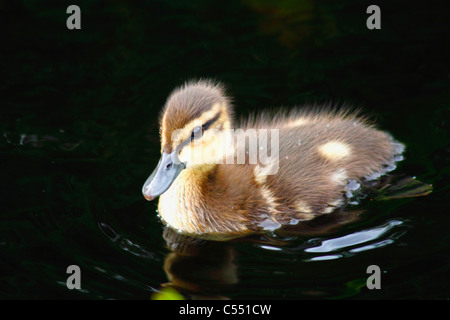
{"x": 124, "y": 243}
{"x": 359, "y": 241}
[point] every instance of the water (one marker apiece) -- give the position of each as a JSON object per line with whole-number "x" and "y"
{"x": 79, "y": 137}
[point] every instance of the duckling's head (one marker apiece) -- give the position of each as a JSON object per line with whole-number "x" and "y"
{"x": 194, "y": 129}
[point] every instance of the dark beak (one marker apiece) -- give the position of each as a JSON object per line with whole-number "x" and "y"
{"x": 162, "y": 177}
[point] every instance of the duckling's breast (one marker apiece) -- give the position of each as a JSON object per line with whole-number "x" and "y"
{"x": 210, "y": 201}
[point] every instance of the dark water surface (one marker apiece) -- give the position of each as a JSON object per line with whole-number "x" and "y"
{"x": 79, "y": 136}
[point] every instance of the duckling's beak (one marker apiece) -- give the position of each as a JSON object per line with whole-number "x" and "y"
{"x": 168, "y": 169}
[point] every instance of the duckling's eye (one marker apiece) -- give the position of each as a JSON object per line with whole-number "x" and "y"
{"x": 197, "y": 132}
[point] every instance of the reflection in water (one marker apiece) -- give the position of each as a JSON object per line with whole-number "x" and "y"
{"x": 203, "y": 269}
{"x": 198, "y": 268}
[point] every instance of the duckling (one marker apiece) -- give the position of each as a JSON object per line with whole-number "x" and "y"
{"x": 206, "y": 187}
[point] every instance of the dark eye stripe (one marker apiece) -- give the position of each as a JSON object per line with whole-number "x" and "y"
{"x": 197, "y": 132}
{"x": 208, "y": 123}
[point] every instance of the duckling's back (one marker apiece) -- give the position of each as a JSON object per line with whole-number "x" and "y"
{"x": 319, "y": 153}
